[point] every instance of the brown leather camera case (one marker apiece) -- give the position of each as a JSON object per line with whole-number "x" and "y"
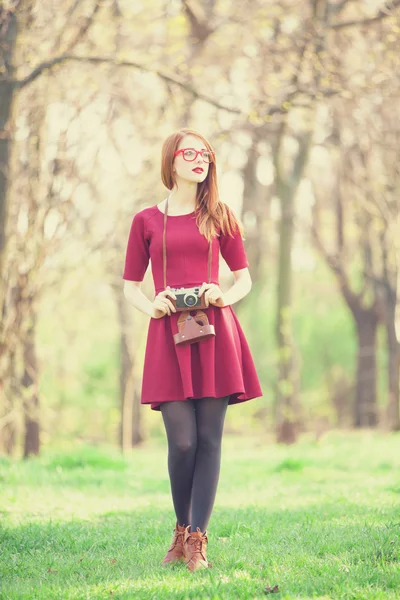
{"x": 193, "y": 326}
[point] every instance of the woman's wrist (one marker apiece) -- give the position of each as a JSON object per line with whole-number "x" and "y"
{"x": 225, "y": 300}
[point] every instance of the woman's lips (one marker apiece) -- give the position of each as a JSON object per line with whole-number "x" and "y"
{"x": 198, "y": 169}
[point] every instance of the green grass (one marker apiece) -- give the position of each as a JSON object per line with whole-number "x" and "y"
{"x": 318, "y": 520}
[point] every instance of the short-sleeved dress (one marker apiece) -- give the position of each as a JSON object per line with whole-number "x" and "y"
{"x": 219, "y": 366}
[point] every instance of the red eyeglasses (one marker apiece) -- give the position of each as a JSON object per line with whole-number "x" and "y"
{"x": 191, "y": 154}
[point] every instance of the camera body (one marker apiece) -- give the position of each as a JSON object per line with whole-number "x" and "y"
{"x": 187, "y": 298}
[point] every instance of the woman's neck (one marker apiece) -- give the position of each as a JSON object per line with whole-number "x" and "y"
{"x": 182, "y": 199}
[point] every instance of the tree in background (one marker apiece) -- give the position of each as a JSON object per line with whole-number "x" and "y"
{"x": 134, "y": 74}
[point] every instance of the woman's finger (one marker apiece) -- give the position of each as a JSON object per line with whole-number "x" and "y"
{"x": 161, "y": 304}
{"x": 210, "y": 293}
{"x": 168, "y": 293}
{"x": 166, "y": 302}
{"x": 204, "y": 287}
{"x": 169, "y": 303}
{"x": 162, "y": 309}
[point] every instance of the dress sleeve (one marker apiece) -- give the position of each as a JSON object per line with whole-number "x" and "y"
{"x": 137, "y": 251}
{"x": 233, "y": 251}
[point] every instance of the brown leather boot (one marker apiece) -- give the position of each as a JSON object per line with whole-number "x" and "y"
{"x": 175, "y": 551}
{"x": 195, "y": 549}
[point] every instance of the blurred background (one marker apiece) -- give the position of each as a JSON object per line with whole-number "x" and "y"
{"x": 299, "y": 101}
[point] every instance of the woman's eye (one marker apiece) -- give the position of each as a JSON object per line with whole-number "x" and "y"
{"x": 189, "y": 153}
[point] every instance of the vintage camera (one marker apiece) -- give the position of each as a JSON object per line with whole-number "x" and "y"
{"x": 187, "y": 298}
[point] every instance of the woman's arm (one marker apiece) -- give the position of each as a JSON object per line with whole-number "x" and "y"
{"x": 240, "y": 288}
{"x": 135, "y": 296}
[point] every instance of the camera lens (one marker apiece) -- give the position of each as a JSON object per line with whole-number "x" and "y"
{"x": 190, "y": 300}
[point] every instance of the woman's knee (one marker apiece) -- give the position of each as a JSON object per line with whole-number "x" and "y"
{"x": 183, "y": 446}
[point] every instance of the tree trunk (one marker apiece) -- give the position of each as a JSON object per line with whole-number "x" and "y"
{"x": 130, "y": 423}
{"x": 285, "y": 419}
{"x": 255, "y": 208}
{"x": 30, "y": 387}
{"x": 365, "y": 406}
{"x": 13, "y": 315}
{"x": 286, "y": 402}
{"x": 8, "y": 430}
{"x": 393, "y": 409}
{"x": 136, "y": 420}
{"x": 366, "y": 315}
{"x": 393, "y": 345}
{"x": 8, "y": 36}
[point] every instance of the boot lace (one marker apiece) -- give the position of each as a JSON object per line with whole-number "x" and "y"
{"x": 197, "y": 545}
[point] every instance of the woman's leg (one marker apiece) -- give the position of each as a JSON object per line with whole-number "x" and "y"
{"x": 210, "y": 417}
{"x": 180, "y": 425}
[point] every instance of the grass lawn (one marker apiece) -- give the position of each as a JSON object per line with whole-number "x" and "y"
{"x": 319, "y": 520}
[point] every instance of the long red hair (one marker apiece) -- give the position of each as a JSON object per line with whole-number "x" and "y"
{"x": 212, "y": 215}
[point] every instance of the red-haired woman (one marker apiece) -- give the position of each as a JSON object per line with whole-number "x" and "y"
{"x": 191, "y": 384}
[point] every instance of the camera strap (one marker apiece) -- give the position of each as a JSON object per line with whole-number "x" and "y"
{"x": 165, "y": 248}
{"x": 193, "y": 326}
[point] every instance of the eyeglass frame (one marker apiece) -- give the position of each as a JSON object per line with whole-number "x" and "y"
{"x": 197, "y": 153}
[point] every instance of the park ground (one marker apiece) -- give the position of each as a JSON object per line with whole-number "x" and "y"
{"x": 319, "y": 519}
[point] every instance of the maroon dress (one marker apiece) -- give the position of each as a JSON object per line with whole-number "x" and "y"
{"x": 219, "y": 366}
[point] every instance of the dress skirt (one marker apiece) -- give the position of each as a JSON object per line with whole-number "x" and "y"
{"x": 219, "y": 366}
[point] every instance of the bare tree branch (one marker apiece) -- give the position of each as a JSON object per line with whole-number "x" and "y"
{"x": 86, "y": 24}
{"x": 386, "y": 11}
{"x": 49, "y": 64}
{"x": 333, "y": 261}
{"x": 200, "y": 28}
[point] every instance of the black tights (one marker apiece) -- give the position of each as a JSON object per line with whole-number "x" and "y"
{"x": 194, "y": 431}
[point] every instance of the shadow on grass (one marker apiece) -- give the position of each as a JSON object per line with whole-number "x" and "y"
{"x": 330, "y": 550}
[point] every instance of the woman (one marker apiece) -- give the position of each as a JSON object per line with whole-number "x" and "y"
{"x": 191, "y": 384}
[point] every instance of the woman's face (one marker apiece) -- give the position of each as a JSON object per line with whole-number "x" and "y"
{"x": 184, "y": 168}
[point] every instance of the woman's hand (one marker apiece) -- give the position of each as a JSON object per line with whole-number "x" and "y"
{"x": 162, "y": 305}
{"x": 212, "y": 294}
